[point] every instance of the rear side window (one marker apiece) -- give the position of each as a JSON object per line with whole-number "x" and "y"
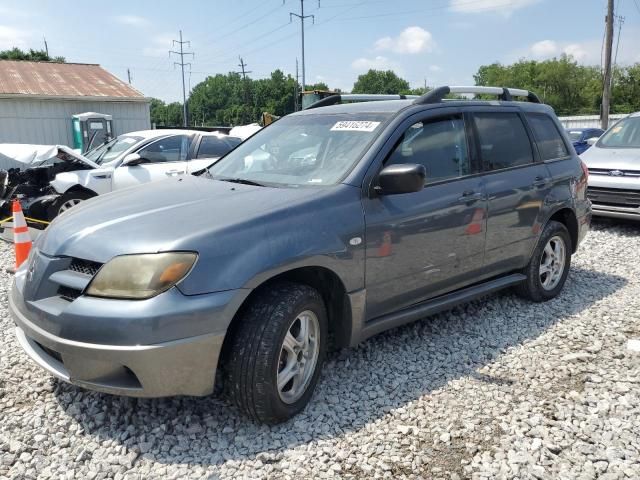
{"x": 213, "y": 147}
{"x": 550, "y": 143}
{"x": 503, "y": 140}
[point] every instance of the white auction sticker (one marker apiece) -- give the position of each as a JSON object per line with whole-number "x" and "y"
{"x": 355, "y": 126}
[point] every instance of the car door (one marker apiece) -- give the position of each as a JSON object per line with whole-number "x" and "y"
{"x": 425, "y": 243}
{"x": 162, "y": 158}
{"x": 209, "y": 149}
{"x": 516, "y": 184}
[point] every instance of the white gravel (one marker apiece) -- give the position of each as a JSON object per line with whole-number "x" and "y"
{"x": 500, "y": 388}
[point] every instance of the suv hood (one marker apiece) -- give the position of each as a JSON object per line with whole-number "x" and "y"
{"x": 31, "y": 154}
{"x": 612, "y": 158}
{"x": 174, "y": 214}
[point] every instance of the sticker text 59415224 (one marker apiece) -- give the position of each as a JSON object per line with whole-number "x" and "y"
{"x": 355, "y": 126}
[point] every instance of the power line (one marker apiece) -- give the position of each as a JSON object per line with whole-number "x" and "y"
{"x": 182, "y": 53}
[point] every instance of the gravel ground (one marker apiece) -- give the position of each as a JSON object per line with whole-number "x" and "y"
{"x": 499, "y": 388}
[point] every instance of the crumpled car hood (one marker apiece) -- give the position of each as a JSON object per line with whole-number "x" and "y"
{"x": 33, "y": 154}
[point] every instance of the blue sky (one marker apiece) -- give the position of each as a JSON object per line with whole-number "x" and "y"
{"x": 442, "y": 41}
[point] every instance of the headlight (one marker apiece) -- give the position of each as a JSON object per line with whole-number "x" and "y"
{"x": 141, "y": 276}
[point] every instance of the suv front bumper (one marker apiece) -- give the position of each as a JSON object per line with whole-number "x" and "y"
{"x": 186, "y": 366}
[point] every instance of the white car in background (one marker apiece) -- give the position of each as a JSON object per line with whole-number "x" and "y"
{"x": 614, "y": 170}
{"x": 57, "y": 178}
{"x": 141, "y": 157}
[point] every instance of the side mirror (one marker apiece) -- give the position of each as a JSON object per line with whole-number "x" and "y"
{"x": 132, "y": 160}
{"x": 592, "y": 141}
{"x": 401, "y": 178}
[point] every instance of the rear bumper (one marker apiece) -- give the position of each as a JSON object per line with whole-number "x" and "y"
{"x": 180, "y": 367}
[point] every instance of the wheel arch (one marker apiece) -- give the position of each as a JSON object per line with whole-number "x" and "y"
{"x": 325, "y": 281}
{"x": 80, "y": 188}
{"x": 567, "y": 217}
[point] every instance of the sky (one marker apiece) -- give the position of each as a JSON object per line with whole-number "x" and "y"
{"x": 440, "y": 42}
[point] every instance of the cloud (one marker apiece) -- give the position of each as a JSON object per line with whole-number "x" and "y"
{"x": 503, "y": 7}
{"x": 377, "y": 63}
{"x": 14, "y": 37}
{"x": 435, "y": 68}
{"x": 132, "y": 20}
{"x": 411, "y": 40}
{"x": 544, "y": 49}
{"x": 583, "y": 52}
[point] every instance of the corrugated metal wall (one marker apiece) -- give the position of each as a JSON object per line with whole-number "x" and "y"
{"x": 48, "y": 122}
{"x": 588, "y": 121}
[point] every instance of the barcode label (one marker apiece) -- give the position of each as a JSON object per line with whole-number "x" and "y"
{"x": 355, "y": 126}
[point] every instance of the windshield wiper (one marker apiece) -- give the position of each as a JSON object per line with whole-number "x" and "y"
{"x": 242, "y": 181}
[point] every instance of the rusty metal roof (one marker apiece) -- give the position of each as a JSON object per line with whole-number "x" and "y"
{"x": 48, "y": 79}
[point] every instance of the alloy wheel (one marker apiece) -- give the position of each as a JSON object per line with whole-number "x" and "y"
{"x": 552, "y": 263}
{"x": 68, "y": 204}
{"x": 298, "y": 357}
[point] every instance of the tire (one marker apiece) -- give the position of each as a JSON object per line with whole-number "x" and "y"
{"x": 541, "y": 286}
{"x": 258, "y": 357}
{"x": 65, "y": 201}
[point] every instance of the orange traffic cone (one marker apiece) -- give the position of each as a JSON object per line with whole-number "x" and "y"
{"x": 21, "y": 237}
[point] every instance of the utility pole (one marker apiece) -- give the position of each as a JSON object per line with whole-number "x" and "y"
{"x": 244, "y": 72}
{"x": 302, "y": 17}
{"x": 182, "y": 53}
{"x": 295, "y": 90}
{"x": 129, "y": 75}
{"x": 606, "y": 81}
{"x": 46, "y": 47}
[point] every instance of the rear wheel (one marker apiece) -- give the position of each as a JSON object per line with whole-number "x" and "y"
{"x": 549, "y": 266}
{"x": 277, "y": 352}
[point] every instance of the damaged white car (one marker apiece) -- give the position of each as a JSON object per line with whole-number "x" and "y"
{"x": 55, "y": 178}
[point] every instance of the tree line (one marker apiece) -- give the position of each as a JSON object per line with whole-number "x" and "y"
{"x": 570, "y": 88}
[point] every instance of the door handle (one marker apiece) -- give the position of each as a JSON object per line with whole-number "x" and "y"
{"x": 540, "y": 181}
{"x": 471, "y": 196}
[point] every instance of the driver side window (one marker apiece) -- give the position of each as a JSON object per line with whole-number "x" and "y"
{"x": 440, "y": 145}
{"x": 169, "y": 149}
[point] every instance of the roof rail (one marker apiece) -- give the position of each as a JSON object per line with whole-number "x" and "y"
{"x": 506, "y": 94}
{"x": 357, "y": 97}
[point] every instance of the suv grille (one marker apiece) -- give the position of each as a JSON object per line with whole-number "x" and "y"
{"x": 85, "y": 266}
{"x": 614, "y": 197}
{"x": 607, "y": 171}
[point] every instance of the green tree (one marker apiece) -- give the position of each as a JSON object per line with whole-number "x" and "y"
{"x": 380, "y": 82}
{"x": 32, "y": 55}
{"x": 570, "y": 88}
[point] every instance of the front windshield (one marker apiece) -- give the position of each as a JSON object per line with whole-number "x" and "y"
{"x": 575, "y": 136}
{"x": 111, "y": 150}
{"x": 624, "y": 134}
{"x": 302, "y": 150}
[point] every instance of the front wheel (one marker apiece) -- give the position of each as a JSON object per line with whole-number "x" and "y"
{"x": 68, "y": 200}
{"x": 277, "y": 352}
{"x": 549, "y": 266}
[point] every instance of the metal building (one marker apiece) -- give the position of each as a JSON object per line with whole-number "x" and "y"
{"x": 38, "y": 100}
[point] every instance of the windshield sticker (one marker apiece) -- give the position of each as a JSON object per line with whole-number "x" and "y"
{"x": 355, "y": 126}
{"x": 616, "y": 129}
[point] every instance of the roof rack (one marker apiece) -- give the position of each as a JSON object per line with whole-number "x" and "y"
{"x": 358, "y": 97}
{"x": 506, "y": 94}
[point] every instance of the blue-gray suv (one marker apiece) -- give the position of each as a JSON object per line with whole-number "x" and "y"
{"x": 341, "y": 221}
